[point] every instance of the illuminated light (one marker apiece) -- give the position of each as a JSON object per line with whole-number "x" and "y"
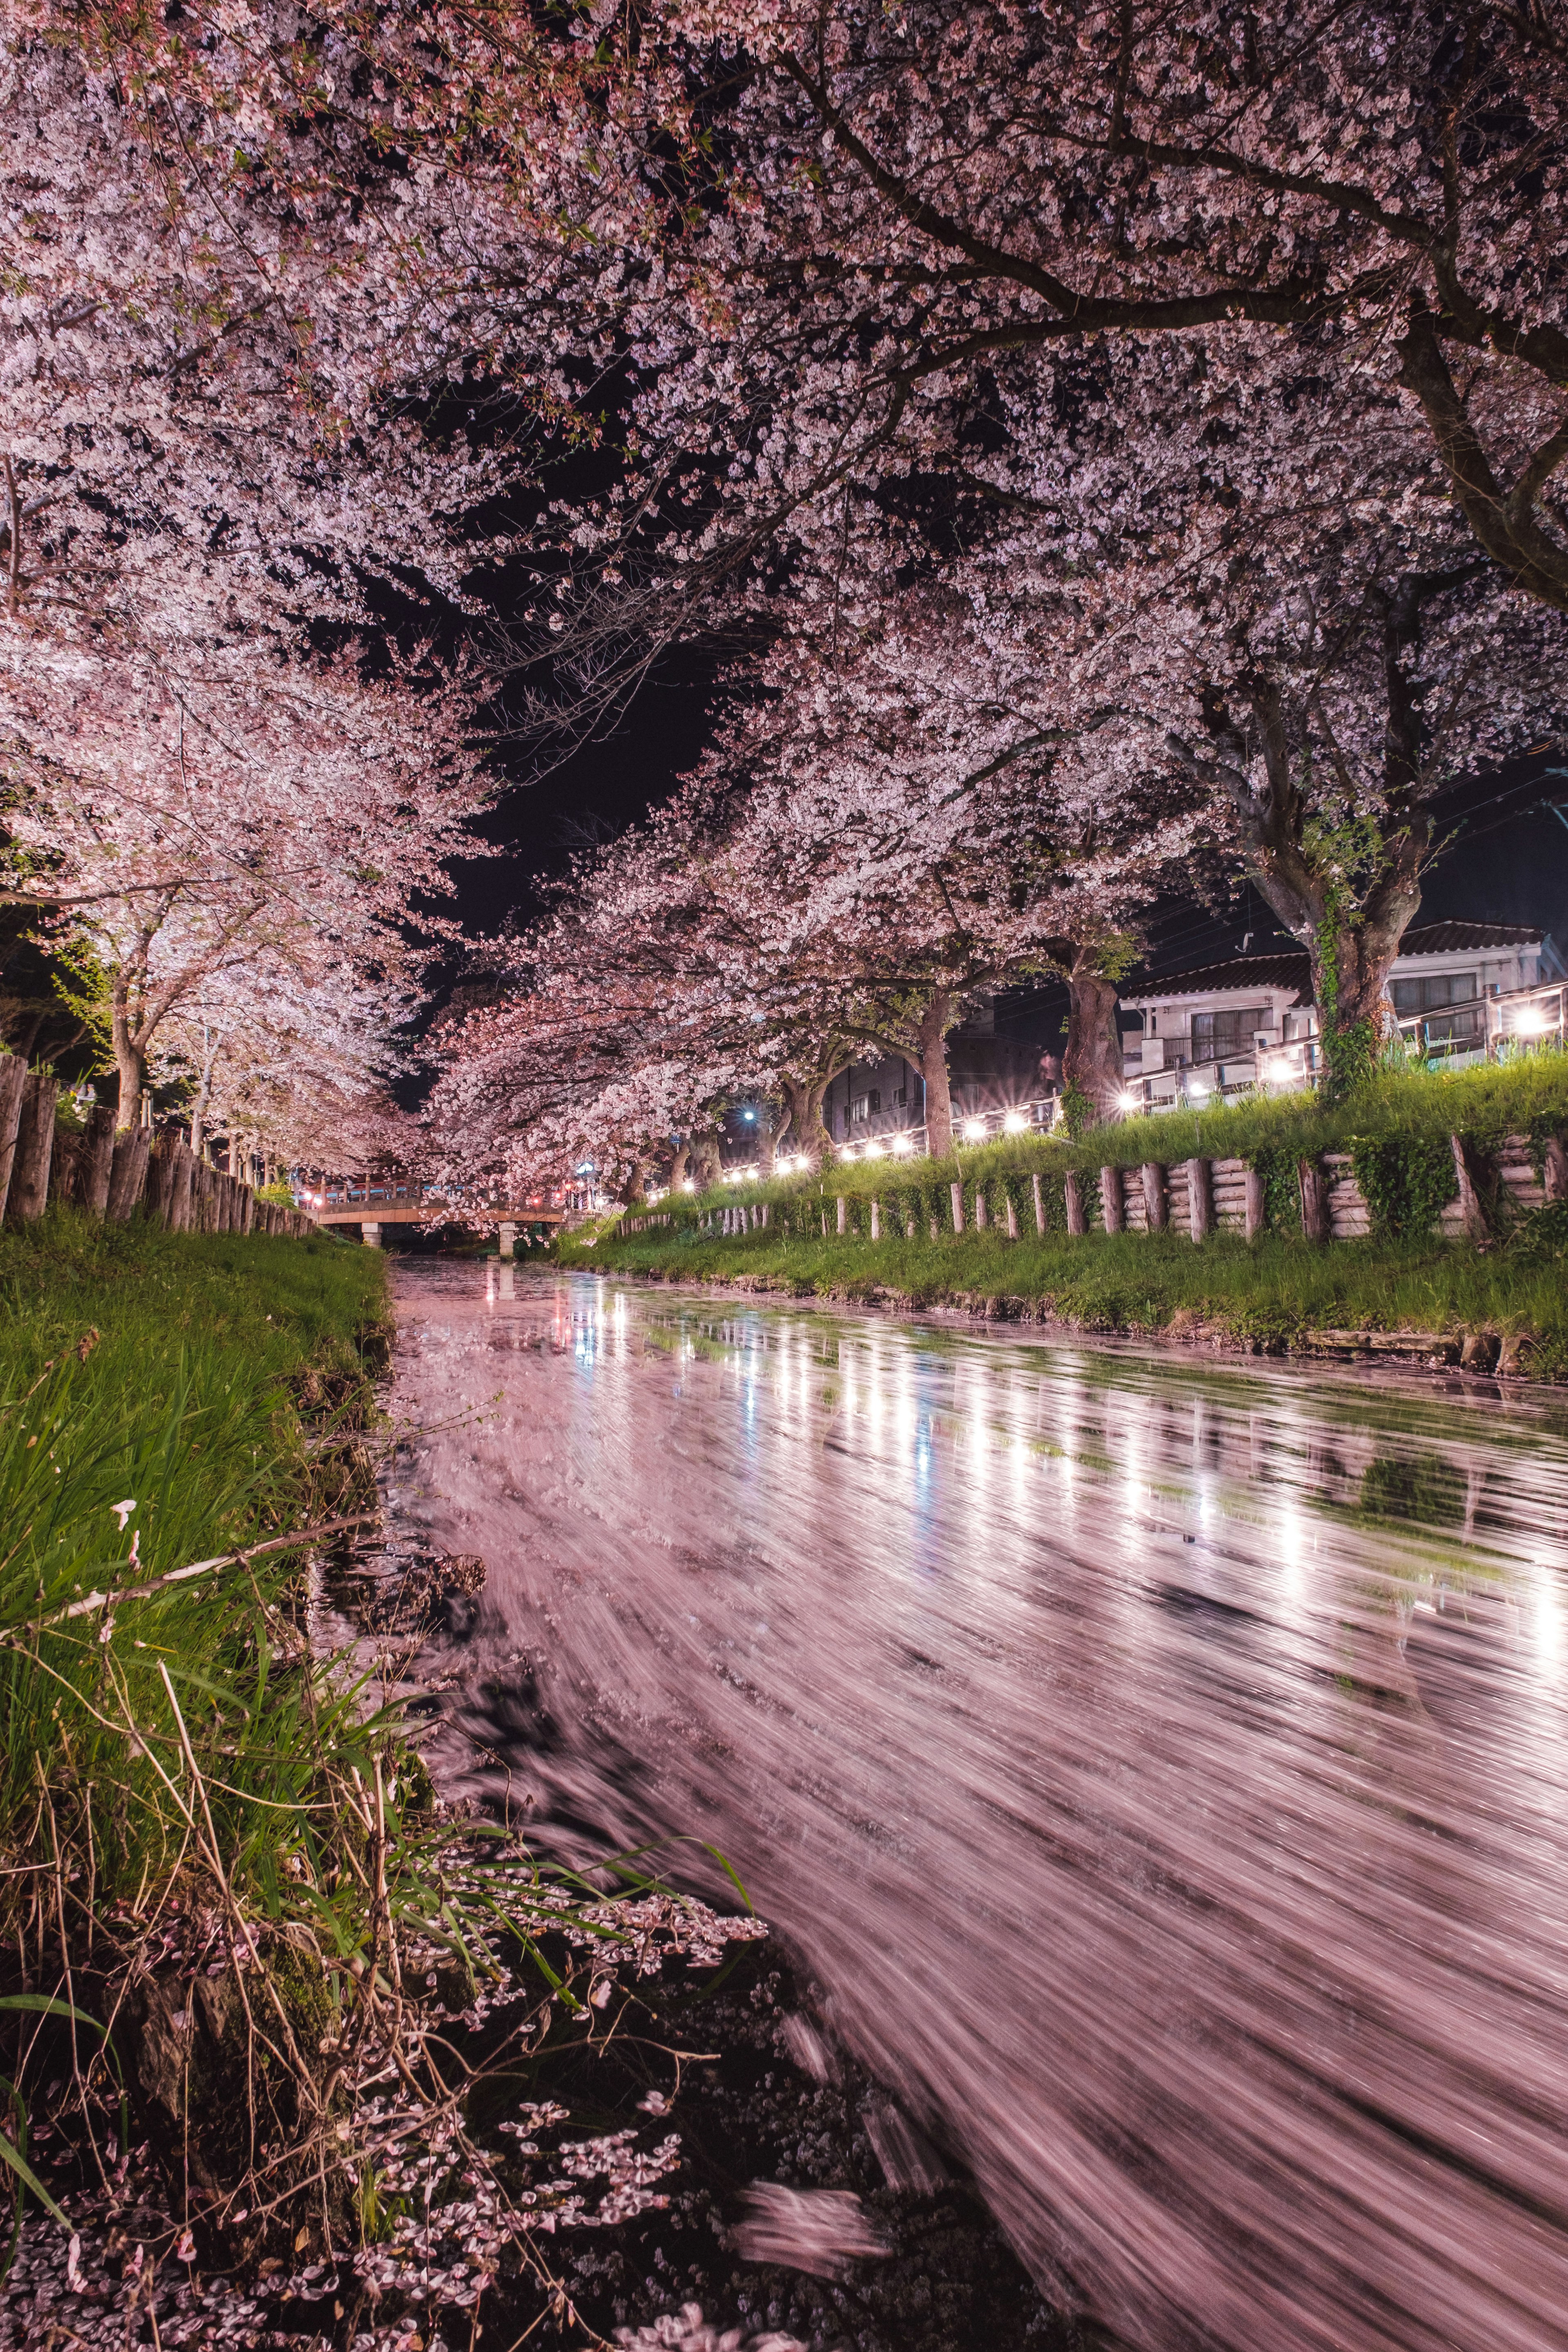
{"x": 873, "y": 1151}
{"x": 690, "y": 1185}
{"x": 1014, "y": 1123}
{"x": 974, "y": 1131}
{"x": 748, "y": 1114}
{"x": 849, "y": 1152}
{"x": 901, "y": 1147}
{"x": 1196, "y": 1091}
{"x": 1129, "y": 1101}
{"x": 1529, "y": 1021}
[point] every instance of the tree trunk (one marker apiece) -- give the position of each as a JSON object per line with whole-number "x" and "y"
{"x": 1156, "y": 1205}
{"x": 1092, "y": 1064}
{"x": 1556, "y": 1169}
{"x": 130, "y": 1062}
{"x": 35, "y": 1147}
{"x": 807, "y": 1135}
{"x": 680, "y": 1161}
{"x": 935, "y": 1023}
{"x": 13, "y": 1085}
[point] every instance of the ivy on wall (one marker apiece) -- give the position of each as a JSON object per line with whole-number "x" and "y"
{"x": 1407, "y": 1180}
{"x": 1277, "y": 1164}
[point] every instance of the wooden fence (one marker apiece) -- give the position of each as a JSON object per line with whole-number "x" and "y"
{"x": 114, "y": 1176}
{"x": 1196, "y": 1197}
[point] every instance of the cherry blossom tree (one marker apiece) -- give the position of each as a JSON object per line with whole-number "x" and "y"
{"x": 182, "y": 826}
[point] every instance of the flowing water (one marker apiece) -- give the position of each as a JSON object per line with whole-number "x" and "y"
{"x": 1159, "y": 1764}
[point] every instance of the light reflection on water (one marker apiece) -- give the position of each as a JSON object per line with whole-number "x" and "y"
{"x": 1160, "y": 1764}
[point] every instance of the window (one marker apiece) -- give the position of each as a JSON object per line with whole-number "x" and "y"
{"x": 1217, "y": 1036}
{"x": 864, "y": 1106}
{"x": 900, "y": 1098}
{"x": 1432, "y": 991}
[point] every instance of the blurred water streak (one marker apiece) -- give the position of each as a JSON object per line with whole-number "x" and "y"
{"x": 1159, "y": 1763}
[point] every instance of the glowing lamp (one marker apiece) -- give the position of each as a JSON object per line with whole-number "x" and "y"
{"x": 1129, "y": 1102}
{"x": 873, "y": 1151}
{"x": 689, "y": 1186}
{"x": 902, "y": 1146}
{"x": 1529, "y": 1021}
{"x": 1014, "y": 1123}
{"x": 974, "y": 1131}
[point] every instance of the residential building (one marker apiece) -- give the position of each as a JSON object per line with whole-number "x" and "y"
{"x": 1223, "y": 1026}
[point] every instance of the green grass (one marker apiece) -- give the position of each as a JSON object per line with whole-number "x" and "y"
{"x": 162, "y": 1370}
{"x": 1270, "y": 1292}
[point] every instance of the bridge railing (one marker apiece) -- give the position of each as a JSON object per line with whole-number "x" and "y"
{"x": 411, "y": 1193}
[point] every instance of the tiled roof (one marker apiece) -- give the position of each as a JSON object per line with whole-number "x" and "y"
{"x": 1292, "y": 970}
{"x": 1467, "y": 939}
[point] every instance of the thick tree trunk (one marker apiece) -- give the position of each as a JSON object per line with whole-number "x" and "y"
{"x": 130, "y": 1061}
{"x": 1351, "y": 964}
{"x": 803, "y": 1125}
{"x": 1092, "y": 1064}
{"x": 680, "y": 1161}
{"x": 935, "y": 1023}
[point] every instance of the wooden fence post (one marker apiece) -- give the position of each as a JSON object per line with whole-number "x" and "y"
{"x": 128, "y": 1172}
{"x": 64, "y": 1165}
{"x": 1556, "y": 1169}
{"x": 876, "y": 1220}
{"x": 1200, "y": 1199}
{"x": 1112, "y": 1208}
{"x": 958, "y": 1208}
{"x": 1255, "y": 1204}
{"x": 180, "y": 1198}
{"x": 35, "y": 1147}
{"x": 843, "y": 1213}
{"x": 1012, "y": 1215}
{"x": 98, "y": 1160}
{"x": 1039, "y": 1202}
{"x": 982, "y": 1209}
{"x": 1156, "y": 1200}
{"x": 13, "y": 1080}
{"x": 1314, "y": 1200}
{"x": 1478, "y": 1225}
{"x": 1077, "y": 1222}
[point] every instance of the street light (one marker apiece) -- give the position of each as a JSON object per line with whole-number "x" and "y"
{"x": 1129, "y": 1100}
{"x": 974, "y": 1131}
{"x": 1014, "y": 1123}
{"x": 901, "y": 1147}
{"x": 1529, "y": 1021}
{"x": 873, "y": 1151}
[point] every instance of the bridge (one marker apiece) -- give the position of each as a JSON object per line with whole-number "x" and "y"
{"x": 405, "y": 1201}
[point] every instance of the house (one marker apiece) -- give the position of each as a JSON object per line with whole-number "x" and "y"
{"x": 1454, "y": 988}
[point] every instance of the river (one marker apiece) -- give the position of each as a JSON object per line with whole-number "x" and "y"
{"x": 1158, "y": 1762}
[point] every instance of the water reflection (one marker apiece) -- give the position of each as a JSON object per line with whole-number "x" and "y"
{"x": 1160, "y": 1765}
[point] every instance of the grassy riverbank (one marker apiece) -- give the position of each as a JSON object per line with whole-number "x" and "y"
{"x": 240, "y": 1934}
{"x": 1277, "y": 1291}
{"x": 154, "y": 1392}
{"x": 1273, "y": 1294}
